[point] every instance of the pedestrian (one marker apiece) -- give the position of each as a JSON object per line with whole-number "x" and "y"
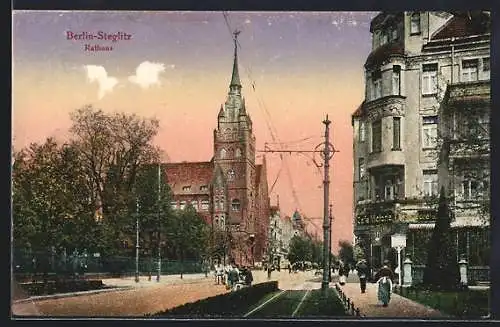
{"x": 343, "y": 273}
{"x": 219, "y": 271}
{"x": 269, "y": 270}
{"x": 248, "y": 277}
{"x": 289, "y": 269}
{"x": 384, "y": 278}
{"x": 362, "y": 269}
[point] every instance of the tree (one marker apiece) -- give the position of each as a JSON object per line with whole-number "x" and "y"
{"x": 300, "y": 249}
{"x": 188, "y": 234}
{"x": 317, "y": 252}
{"x": 112, "y": 148}
{"x": 441, "y": 271}
{"x": 51, "y": 206}
{"x": 346, "y": 252}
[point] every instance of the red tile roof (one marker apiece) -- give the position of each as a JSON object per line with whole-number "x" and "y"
{"x": 382, "y": 53}
{"x": 460, "y": 26}
{"x": 194, "y": 174}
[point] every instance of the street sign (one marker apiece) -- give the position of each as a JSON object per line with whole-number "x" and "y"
{"x": 398, "y": 240}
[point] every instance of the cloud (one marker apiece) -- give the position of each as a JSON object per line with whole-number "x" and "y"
{"x": 100, "y": 75}
{"x": 148, "y": 73}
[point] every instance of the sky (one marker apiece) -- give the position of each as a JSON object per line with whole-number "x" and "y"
{"x": 295, "y": 68}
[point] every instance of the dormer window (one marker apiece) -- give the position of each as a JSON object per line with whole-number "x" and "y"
{"x": 238, "y": 153}
{"x": 415, "y": 24}
{"x": 186, "y": 188}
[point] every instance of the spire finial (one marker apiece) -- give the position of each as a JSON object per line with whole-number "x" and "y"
{"x": 235, "y": 79}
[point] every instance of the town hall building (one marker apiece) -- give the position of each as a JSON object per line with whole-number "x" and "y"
{"x": 230, "y": 191}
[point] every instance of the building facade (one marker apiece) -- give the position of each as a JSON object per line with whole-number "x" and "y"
{"x": 418, "y": 61}
{"x": 230, "y": 191}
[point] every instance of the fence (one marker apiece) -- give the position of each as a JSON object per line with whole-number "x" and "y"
{"x": 475, "y": 274}
{"x": 37, "y": 262}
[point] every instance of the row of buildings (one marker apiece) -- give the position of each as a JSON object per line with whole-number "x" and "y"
{"x": 424, "y": 125}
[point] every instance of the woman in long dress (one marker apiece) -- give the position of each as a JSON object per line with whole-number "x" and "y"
{"x": 384, "y": 278}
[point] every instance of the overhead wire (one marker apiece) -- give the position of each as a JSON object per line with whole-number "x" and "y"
{"x": 268, "y": 119}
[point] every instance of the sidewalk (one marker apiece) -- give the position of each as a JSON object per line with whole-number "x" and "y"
{"x": 164, "y": 279}
{"x": 399, "y": 306}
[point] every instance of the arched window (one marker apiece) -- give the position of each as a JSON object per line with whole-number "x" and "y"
{"x": 235, "y": 205}
{"x": 221, "y": 203}
{"x": 415, "y": 23}
{"x": 222, "y": 222}
{"x": 230, "y": 174}
{"x": 238, "y": 153}
{"x": 216, "y": 221}
{"x": 223, "y": 153}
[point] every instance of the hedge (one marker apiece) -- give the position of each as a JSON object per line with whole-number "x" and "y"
{"x": 229, "y": 304}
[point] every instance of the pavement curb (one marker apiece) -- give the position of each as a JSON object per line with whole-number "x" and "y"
{"x": 73, "y": 294}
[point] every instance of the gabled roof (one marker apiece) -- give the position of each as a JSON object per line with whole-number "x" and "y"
{"x": 463, "y": 25}
{"x": 194, "y": 174}
{"x": 359, "y": 111}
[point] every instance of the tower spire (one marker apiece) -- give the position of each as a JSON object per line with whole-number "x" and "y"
{"x": 235, "y": 79}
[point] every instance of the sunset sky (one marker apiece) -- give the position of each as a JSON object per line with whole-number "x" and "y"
{"x": 176, "y": 66}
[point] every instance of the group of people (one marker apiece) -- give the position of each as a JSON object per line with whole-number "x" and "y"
{"x": 383, "y": 278}
{"x": 233, "y": 276}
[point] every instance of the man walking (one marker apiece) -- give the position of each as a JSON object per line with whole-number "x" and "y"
{"x": 362, "y": 269}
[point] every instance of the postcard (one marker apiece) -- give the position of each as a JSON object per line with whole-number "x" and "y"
{"x": 233, "y": 164}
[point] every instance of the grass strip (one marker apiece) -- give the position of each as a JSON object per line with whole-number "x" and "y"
{"x": 464, "y": 304}
{"x": 318, "y": 304}
{"x": 283, "y": 306}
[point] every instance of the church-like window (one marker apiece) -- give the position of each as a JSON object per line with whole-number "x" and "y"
{"x": 238, "y": 153}
{"x": 235, "y": 205}
{"x": 223, "y": 153}
{"x": 231, "y": 174}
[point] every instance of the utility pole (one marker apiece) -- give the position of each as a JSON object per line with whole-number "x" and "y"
{"x": 137, "y": 240}
{"x": 330, "y": 248}
{"x": 326, "y": 197}
{"x": 326, "y": 153}
{"x": 159, "y": 224}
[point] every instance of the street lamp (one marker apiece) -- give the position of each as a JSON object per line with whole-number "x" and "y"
{"x": 137, "y": 241}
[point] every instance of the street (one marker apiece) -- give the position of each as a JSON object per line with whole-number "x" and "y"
{"x": 144, "y": 297}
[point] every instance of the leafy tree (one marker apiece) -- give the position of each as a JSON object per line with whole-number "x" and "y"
{"x": 113, "y": 148}
{"x": 300, "y": 249}
{"x": 346, "y": 252}
{"x": 188, "y": 234}
{"x": 441, "y": 271}
{"x": 317, "y": 252}
{"x": 51, "y": 206}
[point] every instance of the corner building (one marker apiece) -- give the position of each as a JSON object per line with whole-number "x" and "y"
{"x": 418, "y": 61}
{"x": 230, "y": 191}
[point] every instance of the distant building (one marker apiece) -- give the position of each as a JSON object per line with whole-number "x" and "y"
{"x": 427, "y": 92}
{"x": 230, "y": 191}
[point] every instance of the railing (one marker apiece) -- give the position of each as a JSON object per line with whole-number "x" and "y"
{"x": 348, "y": 303}
{"x": 475, "y": 274}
